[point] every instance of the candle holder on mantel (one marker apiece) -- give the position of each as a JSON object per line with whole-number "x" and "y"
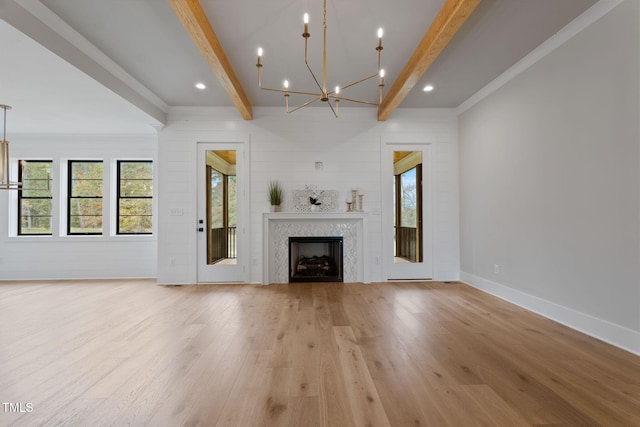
{"x": 356, "y": 203}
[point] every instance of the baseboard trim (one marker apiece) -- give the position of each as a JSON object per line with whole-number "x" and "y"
{"x": 616, "y": 335}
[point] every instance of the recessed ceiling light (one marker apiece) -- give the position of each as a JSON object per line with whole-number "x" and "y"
{"x": 428, "y": 88}
{"x": 201, "y": 86}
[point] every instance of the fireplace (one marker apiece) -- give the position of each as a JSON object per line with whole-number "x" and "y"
{"x": 279, "y": 226}
{"x": 315, "y": 259}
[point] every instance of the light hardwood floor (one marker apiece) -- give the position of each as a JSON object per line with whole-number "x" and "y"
{"x": 92, "y": 353}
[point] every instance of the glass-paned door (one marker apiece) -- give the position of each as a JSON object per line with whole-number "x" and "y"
{"x": 407, "y": 232}
{"x": 220, "y": 213}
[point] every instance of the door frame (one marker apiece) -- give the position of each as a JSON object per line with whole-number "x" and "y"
{"x": 243, "y": 209}
{"x": 409, "y": 271}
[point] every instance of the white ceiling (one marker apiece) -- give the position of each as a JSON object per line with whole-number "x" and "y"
{"x": 126, "y": 61}
{"x": 48, "y": 95}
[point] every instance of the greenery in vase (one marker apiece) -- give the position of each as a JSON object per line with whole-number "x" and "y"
{"x": 275, "y": 193}
{"x": 314, "y": 197}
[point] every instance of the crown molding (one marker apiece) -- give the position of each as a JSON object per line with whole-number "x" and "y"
{"x": 573, "y": 28}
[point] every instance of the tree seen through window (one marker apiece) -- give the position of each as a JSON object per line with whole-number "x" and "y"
{"x": 135, "y": 197}
{"x": 35, "y": 199}
{"x": 85, "y": 197}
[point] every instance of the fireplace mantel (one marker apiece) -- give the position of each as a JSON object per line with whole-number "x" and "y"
{"x": 314, "y": 215}
{"x": 277, "y": 227}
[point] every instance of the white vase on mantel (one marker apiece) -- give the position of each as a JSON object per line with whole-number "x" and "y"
{"x": 275, "y": 208}
{"x": 315, "y": 208}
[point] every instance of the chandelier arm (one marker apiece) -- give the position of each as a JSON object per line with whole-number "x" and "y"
{"x": 307, "y": 64}
{"x": 312, "y": 74}
{"x": 317, "y": 98}
{"x": 295, "y": 92}
{"x": 341, "y": 98}
{"x": 12, "y": 186}
{"x": 379, "y": 49}
{"x": 359, "y": 81}
{"x": 19, "y": 185}
{"x": 4, "y": 122}
{"x": 335, "y": 113}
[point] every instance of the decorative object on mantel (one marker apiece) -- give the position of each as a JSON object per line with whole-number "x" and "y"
{"x": 275, "y": 196}
{"x": 315, "y": 203}
{"x": 355, "y": 204}
{"x": 313, "y": 200}
{"x": 321, "y": 93}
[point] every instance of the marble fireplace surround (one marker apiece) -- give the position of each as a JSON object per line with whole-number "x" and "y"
{"x": 277, "y": 227}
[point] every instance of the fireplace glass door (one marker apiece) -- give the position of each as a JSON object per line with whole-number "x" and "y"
{"x": 315, "y": 259}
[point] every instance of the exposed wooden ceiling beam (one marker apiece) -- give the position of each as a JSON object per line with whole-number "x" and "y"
{"x": 449, "y": 20}
{"x": 197, "y": 25}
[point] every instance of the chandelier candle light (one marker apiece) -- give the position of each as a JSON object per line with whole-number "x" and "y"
{"x": 323, "y": 95}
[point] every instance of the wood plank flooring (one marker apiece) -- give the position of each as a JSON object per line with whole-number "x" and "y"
{"x": 118, "y": 353}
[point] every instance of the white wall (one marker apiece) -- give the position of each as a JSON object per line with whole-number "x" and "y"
{"x": 76, "y": 257}
{"x": 286, "y": 147}
{"x": 550, "y": 183}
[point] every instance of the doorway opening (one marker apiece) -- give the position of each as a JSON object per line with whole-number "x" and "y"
{"x": 221, "y": 207}
{"x": 407, "y": 195}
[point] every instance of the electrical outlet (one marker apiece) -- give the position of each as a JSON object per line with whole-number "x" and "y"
{"x": 172, "y": 262}
{"x": 496, "y": 269}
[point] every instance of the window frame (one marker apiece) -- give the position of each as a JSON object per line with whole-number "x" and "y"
{"x": 21, "y": 197}
{"x": 70, "y": 197}
{"x": 120, "y": 197}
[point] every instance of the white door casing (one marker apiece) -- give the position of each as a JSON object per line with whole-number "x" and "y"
{"x": 223, "y": 272}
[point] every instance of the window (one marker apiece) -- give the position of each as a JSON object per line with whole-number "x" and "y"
{"x": 35, "y": 200}
{"x": 84, "y": 208}
{"x": 135, "y": 197}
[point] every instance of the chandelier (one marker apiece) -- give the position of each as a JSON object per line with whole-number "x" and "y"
{"x": 323, "y": 94}
{"x": 5, "y": 183}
